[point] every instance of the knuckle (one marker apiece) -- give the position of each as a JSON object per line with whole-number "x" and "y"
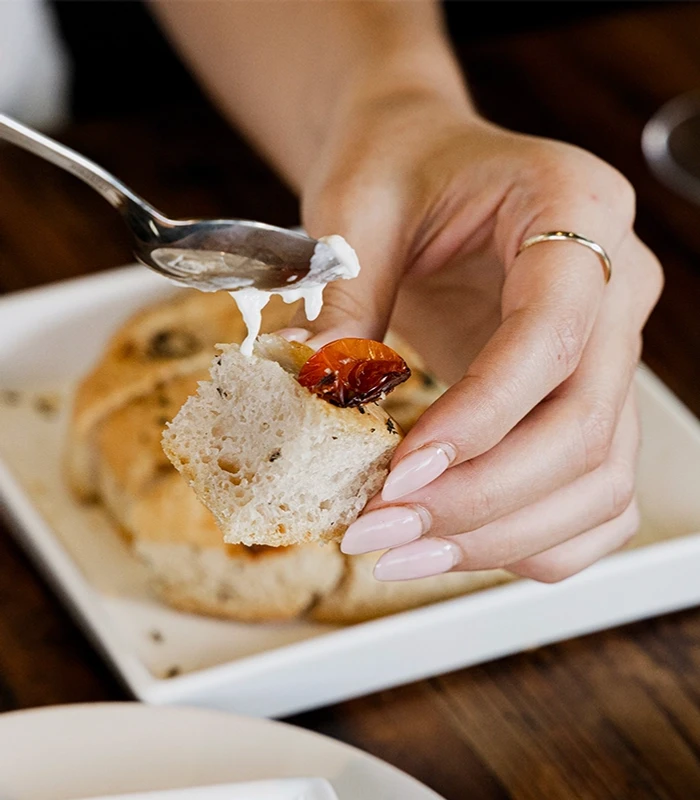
{"x": 566, "y": 342}
{"x": 596, "y": 427}
{"x": 566, "y": 168}
{"x": 558, "y": 564}
{"x": 621, "y": 194}
{"x": 632, "y": 519}
{"x": 480, "y": 507}
{"x": 655, "y": 280}
{"x": 624, "y": 527}
{"x": 549, "y": 568}
{"x": 620, "y": 479}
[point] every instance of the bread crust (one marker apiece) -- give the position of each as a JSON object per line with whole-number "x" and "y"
{"x": 165, "y": 340}
{"x": 246, "y": 585}
{"x": 130, "y": 460}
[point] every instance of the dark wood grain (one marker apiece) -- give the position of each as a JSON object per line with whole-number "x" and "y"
{"x": 612, "y": 715}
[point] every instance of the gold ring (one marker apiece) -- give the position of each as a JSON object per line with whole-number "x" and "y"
{"x": 567, "y": 236}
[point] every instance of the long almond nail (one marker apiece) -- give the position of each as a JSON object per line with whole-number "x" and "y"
{"x": 386, "y": 527}
{"x": 417, "y": 560}
{"x": 417, "y": 470}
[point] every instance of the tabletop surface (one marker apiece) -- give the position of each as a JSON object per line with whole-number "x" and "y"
{"x": 611, "y": 715}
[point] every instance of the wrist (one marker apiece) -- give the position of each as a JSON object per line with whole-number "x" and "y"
{"x": 402, "y": 115}
{"x": 407, "y": 84}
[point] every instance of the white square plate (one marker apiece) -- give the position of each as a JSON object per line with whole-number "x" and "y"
{"x": 51, "y": 336}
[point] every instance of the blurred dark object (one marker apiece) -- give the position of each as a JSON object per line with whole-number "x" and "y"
{"x": 121, "y": 61}
{"x": 476, "y": 20}
{"x": 120, "y": 55}
{"x": 671, "y": 143}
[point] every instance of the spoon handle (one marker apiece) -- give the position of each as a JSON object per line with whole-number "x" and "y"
{"x": 112, "y": 189}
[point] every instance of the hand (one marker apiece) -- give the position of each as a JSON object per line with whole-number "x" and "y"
{"x": 528, "y": 461}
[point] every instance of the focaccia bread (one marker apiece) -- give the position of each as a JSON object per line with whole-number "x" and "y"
{"x": 194, "y": 570}
{"x": 121, "y": 411}
{"x": 276, "y": 464}
{"x": 173, "y": 337}
{"x": 177, "y": 538}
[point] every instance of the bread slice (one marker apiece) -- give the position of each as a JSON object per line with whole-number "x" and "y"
{"x": 359, "y": 597}
{"x": 247, "y": 585}
{"x": 164, "y": 340}
{"x": 275, "y": 464}
{"x": 191, "y": 568}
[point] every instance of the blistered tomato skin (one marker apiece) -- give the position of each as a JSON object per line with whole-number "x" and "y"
{"x": 353, "y": 372}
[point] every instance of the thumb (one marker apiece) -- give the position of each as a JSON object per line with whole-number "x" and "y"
{"x": 358, "y": 307}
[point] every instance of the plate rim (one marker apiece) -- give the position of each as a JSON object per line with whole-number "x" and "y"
{"x": 127, "y": 708}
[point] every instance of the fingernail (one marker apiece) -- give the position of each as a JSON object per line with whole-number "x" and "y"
{"x": 417, "y": 470}
{"x": 294, "y": 334}
{"x": 417, "y": 560}
{"x": 386, "y": 527}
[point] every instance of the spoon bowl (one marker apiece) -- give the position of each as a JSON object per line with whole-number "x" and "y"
{"x": 222, "y": 254}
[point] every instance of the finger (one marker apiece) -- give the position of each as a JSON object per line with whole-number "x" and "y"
{"x": 432, "y": 556}
{"x": 575, "y": 555}
{"x": 445, "y": 511}
{"x": 566, "y": 437}
{"x": 360, "y": 307}
{"x": 588, "y": 502}
{"x": 537, "y": 346}
{"x": 474, "y": 416}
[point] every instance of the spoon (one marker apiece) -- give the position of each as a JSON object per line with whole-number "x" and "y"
{"x": 210, "y": 255}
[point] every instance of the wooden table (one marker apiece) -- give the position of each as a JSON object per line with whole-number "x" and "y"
{"x": 613, "y": 715}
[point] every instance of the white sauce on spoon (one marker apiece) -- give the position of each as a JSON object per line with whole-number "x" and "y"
{"x": 333, "y": 259}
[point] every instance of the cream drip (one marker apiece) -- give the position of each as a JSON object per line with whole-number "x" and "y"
{"x": 333, "y": 259}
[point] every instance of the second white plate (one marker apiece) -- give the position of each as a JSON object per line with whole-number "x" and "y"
{"x": 71, "y": 752}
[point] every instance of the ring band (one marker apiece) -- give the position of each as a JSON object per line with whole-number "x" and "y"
{"x": 567, "y": 236}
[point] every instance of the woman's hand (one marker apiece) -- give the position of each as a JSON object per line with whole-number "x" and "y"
{"x": 528, "y": 461}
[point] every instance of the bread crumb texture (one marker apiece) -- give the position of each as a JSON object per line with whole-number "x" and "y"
{"x": 275, "y": 464}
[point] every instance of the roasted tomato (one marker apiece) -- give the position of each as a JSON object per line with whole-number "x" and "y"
{"x": 352, "y": 372}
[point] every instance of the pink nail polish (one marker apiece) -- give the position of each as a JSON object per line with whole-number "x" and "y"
{"x": 294, "y": 334}
{"x": 386, "y": 527}
{"x": 417, "y": 470}
{"x": 417, "y": 560}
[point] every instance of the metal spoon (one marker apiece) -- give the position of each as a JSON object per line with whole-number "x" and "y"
{"x": 209, "y": 255}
